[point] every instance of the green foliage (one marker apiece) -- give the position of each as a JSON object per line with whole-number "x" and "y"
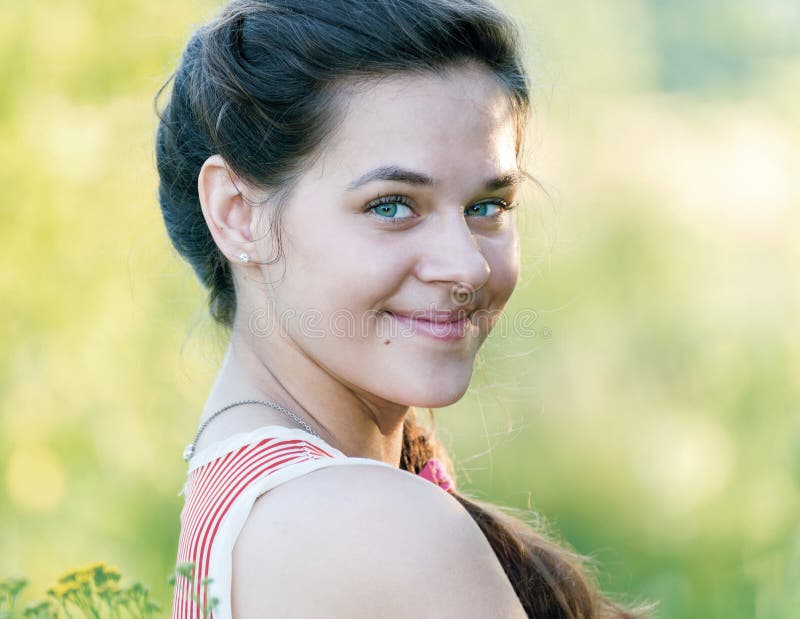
{"x": 186, "y": 570}
{"x": 93, "y": 592}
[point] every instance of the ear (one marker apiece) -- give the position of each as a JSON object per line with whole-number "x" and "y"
{"x": 229, "y": 218}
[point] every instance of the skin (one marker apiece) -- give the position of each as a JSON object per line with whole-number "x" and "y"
{"x": 355, "y": 389}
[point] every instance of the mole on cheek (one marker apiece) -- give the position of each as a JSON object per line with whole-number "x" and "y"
{"x": 386, "y": 342}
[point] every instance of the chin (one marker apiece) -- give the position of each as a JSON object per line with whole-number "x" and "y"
{"x": 435, "y": 390}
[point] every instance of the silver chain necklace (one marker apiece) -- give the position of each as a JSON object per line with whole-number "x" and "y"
{"x": 189, "y": 451}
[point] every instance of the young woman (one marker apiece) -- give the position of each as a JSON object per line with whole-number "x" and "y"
{"x": 342, "y": 176}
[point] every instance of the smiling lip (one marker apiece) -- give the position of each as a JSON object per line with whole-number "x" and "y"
{"x": 439, "y": 325}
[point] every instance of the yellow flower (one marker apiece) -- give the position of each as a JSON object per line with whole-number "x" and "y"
{"x": 97, "y": 572}
{"x": 69, "y": 576}
{"x": 83, "y": 577}
{"x": 108, "y": 587}
{"x": 91, "y": 567}
{"x": 63, "y": 589}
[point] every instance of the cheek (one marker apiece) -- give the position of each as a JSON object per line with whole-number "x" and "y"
{"x": 502, "y": 254}
{"x": 347, "y": 268}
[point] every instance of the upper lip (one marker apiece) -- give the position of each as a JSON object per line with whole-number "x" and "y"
{"x": 434, "y": 316}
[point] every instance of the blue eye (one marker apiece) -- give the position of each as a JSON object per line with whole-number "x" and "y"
{"x": 387, "y": 207}
{"x": 480, "y": 208}
{"x": 396, "y": 209}
{"x": 390, "y": 210}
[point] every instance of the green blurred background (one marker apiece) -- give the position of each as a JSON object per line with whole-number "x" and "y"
{"x": 655, "y": 413}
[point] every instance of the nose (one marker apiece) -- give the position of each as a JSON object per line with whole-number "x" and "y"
{"x": 452, "y": 255}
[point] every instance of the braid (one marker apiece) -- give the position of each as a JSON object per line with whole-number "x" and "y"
{"x": 550, "y": 580}
{"x": 421, "y": 445}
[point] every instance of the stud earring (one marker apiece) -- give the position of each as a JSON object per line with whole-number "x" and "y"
{"x": 243, "y": 257}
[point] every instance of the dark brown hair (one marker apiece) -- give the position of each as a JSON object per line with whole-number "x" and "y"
{"x": 259, "y": 85}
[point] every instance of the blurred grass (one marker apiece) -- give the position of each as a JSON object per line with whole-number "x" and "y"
{"x": 655, "y": 411}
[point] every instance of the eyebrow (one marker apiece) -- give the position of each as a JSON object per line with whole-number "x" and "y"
{"x": 394, "y": 173}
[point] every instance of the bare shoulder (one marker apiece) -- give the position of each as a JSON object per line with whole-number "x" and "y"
{"x": 365, "y": 541}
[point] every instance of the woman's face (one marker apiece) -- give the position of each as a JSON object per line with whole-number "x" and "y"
{"x": 403, "y": 213}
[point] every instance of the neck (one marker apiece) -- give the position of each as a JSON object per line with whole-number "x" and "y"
{"x": 276, "y": 370}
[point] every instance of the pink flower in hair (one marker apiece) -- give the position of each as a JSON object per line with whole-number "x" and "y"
{"x": 434, "y": 471}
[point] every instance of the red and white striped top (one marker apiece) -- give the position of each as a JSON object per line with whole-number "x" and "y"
{"x": 223, "y": 482}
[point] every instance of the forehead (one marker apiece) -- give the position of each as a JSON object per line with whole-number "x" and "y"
{"x": 457, "y": 123}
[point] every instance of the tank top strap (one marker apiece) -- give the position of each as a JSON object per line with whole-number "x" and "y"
{"x": 223, "y": 482}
